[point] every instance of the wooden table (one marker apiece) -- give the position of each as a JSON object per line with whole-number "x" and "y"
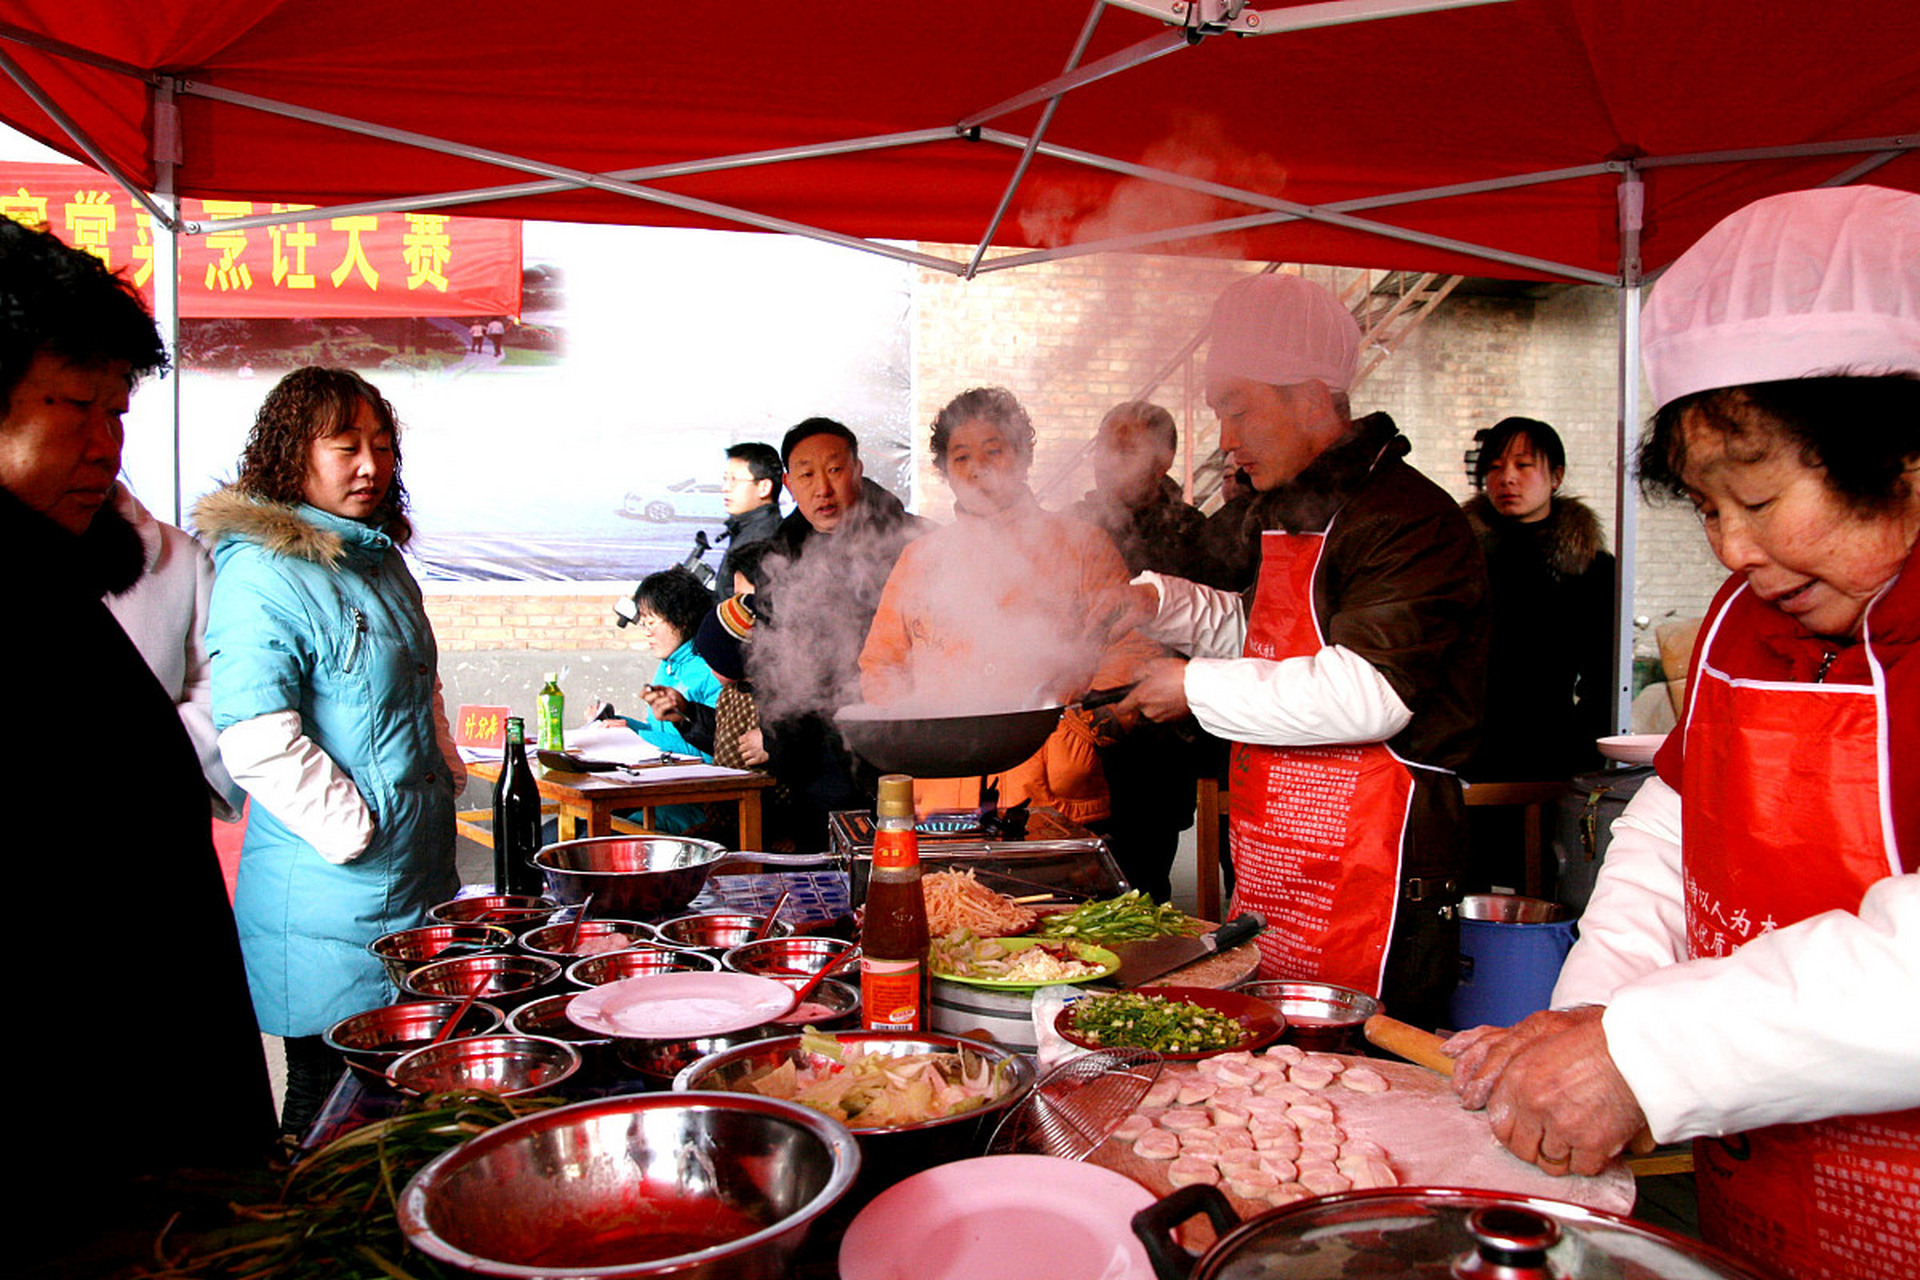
{"x": 588, "y": 801}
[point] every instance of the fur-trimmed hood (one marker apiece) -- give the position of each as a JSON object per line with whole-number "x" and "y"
{"x": 1569, "y": 538}
{"x": 283, "y": 529}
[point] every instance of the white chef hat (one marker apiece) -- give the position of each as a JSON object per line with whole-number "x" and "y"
{"x": 1806, "y": 283}
{"x": 1282, "y": 329}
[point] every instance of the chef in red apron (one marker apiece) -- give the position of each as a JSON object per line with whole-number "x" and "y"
{"x": 1350, "y": 682}
{"x": 1748, "y": 972}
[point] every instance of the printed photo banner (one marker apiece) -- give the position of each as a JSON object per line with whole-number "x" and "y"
{"x": 389, "y": 264}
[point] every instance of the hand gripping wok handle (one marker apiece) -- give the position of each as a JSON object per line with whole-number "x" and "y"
{"x": 1423, "y": 1049}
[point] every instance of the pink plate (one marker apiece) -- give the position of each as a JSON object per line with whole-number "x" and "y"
{"x": 1000, "y": 1216}
{"x": 680, "y": 1006}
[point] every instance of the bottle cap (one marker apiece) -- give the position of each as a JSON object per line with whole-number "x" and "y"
{"x": 551, "y": 676}
{"x": 896, "y": 796}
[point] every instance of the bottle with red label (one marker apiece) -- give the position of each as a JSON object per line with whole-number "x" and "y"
{"x": 895, "y": 989}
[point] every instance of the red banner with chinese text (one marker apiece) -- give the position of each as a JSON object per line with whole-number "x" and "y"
{"x": 389, "y": 264}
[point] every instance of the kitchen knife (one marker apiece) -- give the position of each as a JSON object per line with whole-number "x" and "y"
{"x": 1147, "y": 959}
{"x": 1423, "y": 1048}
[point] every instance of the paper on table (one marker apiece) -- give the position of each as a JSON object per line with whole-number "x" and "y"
{"x": 610, "y": 740}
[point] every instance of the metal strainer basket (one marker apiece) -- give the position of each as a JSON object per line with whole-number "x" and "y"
{"x": 1075, "y": 1107}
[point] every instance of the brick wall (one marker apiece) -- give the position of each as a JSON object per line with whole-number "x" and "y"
{"x": 1074, "y": 337}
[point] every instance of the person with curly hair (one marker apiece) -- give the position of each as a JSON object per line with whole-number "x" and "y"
{"x": 327, "y": 699}
{"x": 74, "y": 341}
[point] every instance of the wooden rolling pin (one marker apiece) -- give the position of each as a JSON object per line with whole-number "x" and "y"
{"x": 1422, "y": 1048}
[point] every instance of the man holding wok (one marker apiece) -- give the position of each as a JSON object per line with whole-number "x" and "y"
{"x": 1349, "y": 677}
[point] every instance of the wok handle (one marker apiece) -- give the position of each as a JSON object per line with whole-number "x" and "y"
{"x": 791, "y": 861}
{"x": 1155, "y": 1226}
{"x": 1423, "y": 1049}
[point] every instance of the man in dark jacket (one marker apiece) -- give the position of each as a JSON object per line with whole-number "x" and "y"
{"x": 829, "y": 563}
{"x": 1351, "y": 679}
{"x": 751, "y": 490}
{"x": 161, "y": 1058}
{"x": 1152, "y": 769}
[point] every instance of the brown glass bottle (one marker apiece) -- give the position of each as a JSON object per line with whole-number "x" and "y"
{"x": 516, "y": 818}
{"x": 895, "y": 990}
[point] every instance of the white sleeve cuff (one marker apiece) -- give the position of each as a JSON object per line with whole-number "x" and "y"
{"x": 1201, "y": 622}
{"x": 299, "y": 784}
{"x": 1331, "y": 697}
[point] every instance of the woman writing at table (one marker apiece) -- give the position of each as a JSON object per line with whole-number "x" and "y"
{"x": 1748, "y": 972}
{"x": 327, "y": 699}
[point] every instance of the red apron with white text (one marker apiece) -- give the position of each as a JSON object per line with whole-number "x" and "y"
{"x": 1316, "y": 831}
{"x": 1781, "y": 820}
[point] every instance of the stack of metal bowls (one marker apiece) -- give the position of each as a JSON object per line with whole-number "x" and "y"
{"x": 794, "y": 961}
{"x": 407, "y": 949}
{"x": 547, "y": 1017}
{"x": 373, "y": 1040}
{"x": 695, "y": 1186}
{"x": 602, "y": 935}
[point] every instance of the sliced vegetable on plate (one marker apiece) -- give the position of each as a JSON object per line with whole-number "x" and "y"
{"x": 1179, "y": 1023}
{"x": 1018, "y": 963}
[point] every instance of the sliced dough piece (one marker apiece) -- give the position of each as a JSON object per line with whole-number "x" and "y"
{"x": 1156, "y": 1144}
{"x": 1237, "y": 1073}
{"x": 1314, "y": 1108}
{"x": 1327, "y": 1060}
{"x": 1232, "y": 1095}
{"x": 1287, "y": 1053}
{"x": 1280, "y": 1167}
{"x": 1225, "y": 1117}
{"x": 1163, "y": 1092}
{"x": 1313, "y": 1132}
{"x": 1197, "y": 1089}
{"x": 1132, "y": 1127}
{"x": 1309, "y": 1075}
{"x": 1276, "y": 1142}
{"x": 1324, "y": 1183}
{"x": 1200, "y": 1142}
{"x": 1235, "y": 1163}
{"x": 1180, "y": 1119}
{"x": 1367, "y": 1172}
{"x": 1253, "y": 1185}
{"x": 1363, "y": 1080}
{"x": 1288, "y": 1193}
{"x": 1188, "y": 1170}
{"x": 1234, "y": 1139}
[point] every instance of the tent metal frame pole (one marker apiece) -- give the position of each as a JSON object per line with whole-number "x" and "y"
{"x": 1155, "y": 46}
{"x": 688, "y": 204}
{"x": 72, "y": 129}
{"x": 644, "y": 173}
{"x": 1632, "y": 197}
{"x": 1790, "y": 151}
{"x": 164, "y": 146}
{"x": 1026, "y": 154}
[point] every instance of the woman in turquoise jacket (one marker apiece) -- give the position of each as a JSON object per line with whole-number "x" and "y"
{"x": 672, "y": 604}
{"x": 327, "y": 702}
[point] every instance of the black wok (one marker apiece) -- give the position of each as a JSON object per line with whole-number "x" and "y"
{"x": 944, "y": 746}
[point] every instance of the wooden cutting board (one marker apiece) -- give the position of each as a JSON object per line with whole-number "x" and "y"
{"x": 1429, "y": 1139}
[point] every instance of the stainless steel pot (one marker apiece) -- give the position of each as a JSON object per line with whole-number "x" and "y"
{"x": 1422, "y": 1234}
{"x": 944, "y": 746}
{"x": 643, "y": 876}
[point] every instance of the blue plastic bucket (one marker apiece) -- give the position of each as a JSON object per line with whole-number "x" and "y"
{"x": 1511, "y": 950}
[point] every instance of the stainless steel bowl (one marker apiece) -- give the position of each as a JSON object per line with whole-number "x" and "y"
{"x": 893, "y": 1152}
{"x": 696, "y": 1186}
{"x": 374, "y": 1039}
{"x": 516, "y": 911}
{"x": 505, "y": 979}
{"x": 718, "y": 930}
{"x": 1319, "y": 1015}
{"x": 510, "y": 1066}
{"x": 547, "y": 1017}
{"x": 830, "y": 1006}
{"x": 547, "y": 939}
{"x": 657, "y": 1062}
{"x": 638, "y": 962}
{"x": 407, "y": 949}
{"x": 630, "y": 876}
{"x": 781, "y": 957}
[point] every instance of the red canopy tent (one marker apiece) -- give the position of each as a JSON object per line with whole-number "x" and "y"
{"x": 1399, "y": 142}
{"x": 1585, "y": 140}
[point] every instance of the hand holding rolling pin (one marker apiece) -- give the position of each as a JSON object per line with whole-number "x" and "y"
{"x": 1552, "y": 1092}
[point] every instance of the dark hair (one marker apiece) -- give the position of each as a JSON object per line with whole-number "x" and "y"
{"x": 310, "y": 404}
{"x": 812, "y": 427}
{"x": 762, "y": 462}
{"x": 675, "y": 596}
{"x": 998, "y": 406}
{"x": 63, "y": 301}
{"x": 1864, "y": 432}
{"x": 1150, "y": 416}
{"x": 1542, "y": 440}
{"x": 749, "y": 561}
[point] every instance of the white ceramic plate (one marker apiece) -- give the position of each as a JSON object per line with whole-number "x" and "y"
{"x": 1631, "y": 748}
{"x": 1000, "y": 1216}
{"x": 680, "y": 1006}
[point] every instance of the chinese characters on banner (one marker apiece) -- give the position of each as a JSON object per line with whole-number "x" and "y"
{"x": 389, "y": 264}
